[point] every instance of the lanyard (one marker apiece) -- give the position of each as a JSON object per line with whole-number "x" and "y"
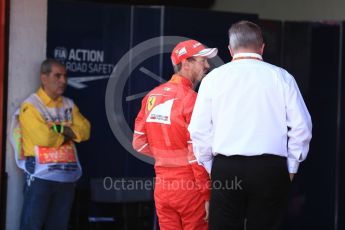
{"x": 239, "y": 58}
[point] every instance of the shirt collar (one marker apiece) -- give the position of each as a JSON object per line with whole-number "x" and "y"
{"x": 46, "y": 99}
{"x": 247, "y": 56}
{"x": 178, "y": 79}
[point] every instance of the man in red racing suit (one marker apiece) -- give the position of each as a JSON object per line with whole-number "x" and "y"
{"x": 182, "y": 186}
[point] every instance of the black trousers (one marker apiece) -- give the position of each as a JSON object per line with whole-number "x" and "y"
{"x": 248, "y": 191}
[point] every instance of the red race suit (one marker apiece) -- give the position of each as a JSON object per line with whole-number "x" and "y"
{"x": 182, "y": 185}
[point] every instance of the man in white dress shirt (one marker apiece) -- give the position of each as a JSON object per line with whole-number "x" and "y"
{"x": 251, "y": 126}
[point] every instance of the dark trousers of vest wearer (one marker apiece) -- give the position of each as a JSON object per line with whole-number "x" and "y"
{"x": 47, "y": 204}
{"x": 248, "y": 192}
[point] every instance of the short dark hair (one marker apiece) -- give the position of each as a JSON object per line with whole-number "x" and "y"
{"x": 46, "y": 65}
{"x": 245, "y": 34}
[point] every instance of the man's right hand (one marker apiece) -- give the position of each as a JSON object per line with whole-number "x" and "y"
{"x": 68, "y": 133}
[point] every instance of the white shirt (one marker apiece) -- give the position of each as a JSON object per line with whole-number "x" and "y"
{"x": 249, "y": 107}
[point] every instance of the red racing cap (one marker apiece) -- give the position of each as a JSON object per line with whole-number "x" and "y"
{"x": 191, "y": 48}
